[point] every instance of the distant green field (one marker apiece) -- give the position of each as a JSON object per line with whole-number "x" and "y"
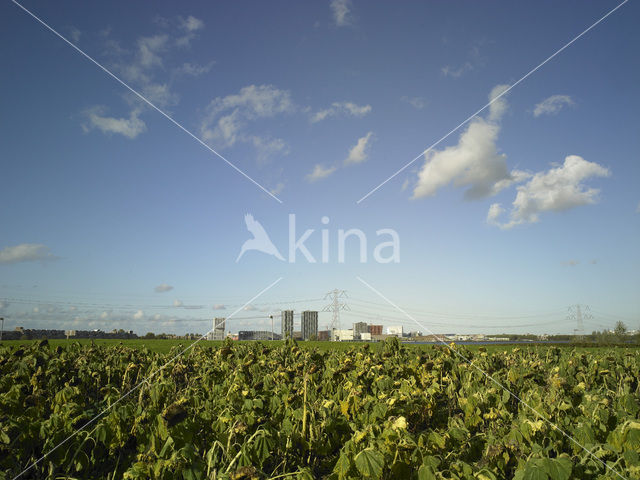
{"x": 164, "y": 346}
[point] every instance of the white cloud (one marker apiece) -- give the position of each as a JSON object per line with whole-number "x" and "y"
{"x": 495, "y": 210}
{"x": 228, "y": 117}
{"x": 277, "y": 190}
{"x": 473, "y": 61}
{"x": 416, "y": 102}
{"x": 341, "y": 108}
{"x": 194, "y": 69}
{"x": 177, "y": 303}
{"x": 552, "y": 105}
{"x": 558, "y": 189}
{"x": 129, "y": 127}
{"x": 139, "y": 315}
{"x": 149, "y": 49}
{"x": 249, "y": 308}
{"x": 456, "y": 72}
{"x": 267, "y": 146}
{"x": 26, "y": 252}
{"x": 474, "y": 162}
{"x": 104, "y": 315}
{"x": 359, "y": 151}
{"x": 191, "y": 23}
{"x": 160, "y": 94}
{"x": 163, "y": 287}
{"x": 341, "y": 12}
{"x": 498, "y": 103}
{"x": 190, "y": 26}
{"x": 138, "y": 67}
{"x": 219, "y": 306}
{"x": 319, "y": 172}
{"x": 75, "y": 34}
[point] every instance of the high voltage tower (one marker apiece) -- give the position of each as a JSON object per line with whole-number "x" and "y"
{"x": 579, "y": 313}
{"x": 335, "y": 306}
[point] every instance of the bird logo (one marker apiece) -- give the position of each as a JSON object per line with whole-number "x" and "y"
{"x": 260, "y": 240}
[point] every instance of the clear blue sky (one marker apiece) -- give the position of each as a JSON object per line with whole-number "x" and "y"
{"x": 112, "y": 217}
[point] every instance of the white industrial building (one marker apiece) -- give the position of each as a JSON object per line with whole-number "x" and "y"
{"x": 342, "y": 335}
{"x": 396, "y": 330}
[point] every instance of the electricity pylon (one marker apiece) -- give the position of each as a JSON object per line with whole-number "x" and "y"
{"x": 335, "y": 306}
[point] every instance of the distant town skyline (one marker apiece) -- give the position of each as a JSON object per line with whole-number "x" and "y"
{"x": 164, "y": 213}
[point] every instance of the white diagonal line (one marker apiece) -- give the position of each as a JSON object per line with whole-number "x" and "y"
{"x": 144, "y": 99}
{"x": 455, "y": 351}
{"x": 143, "y": 381}
{"x": 470, "y": 117}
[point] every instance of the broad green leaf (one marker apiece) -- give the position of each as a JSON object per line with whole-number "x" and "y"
{"x": 426, "y": 472}
{"x": 558, "y": 468}
{"x": 369, "y": 463}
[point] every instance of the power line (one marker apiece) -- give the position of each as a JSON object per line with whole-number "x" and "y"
{"x": 379, "y": 306}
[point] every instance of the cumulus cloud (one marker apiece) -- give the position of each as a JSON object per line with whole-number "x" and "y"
{"x": 177, "y": 303}
{"x": 191, "y": 23}
{"x": 558, "y": 189}
{"x": 552, "y": 105}
{"x": 474, "y": 162}
{"x": 495, "y": 211}
{"x": 26, "y": 252}
{"x": 341, "y": 108}
{"x": 163, "y": 287}
{"x": 219, "y": 306}
{"x": 189, "y": 26}
{"x": 194, "y": 69}
{"x": 416, "y": 102}
{"x": 360, "y": 151}
{"x": 129, "y": 127}
{"x": 149, "y": 49}
{"x": 139, "y": 315}
{"x": 319, "y": 172}
{"x": 341, "y": 12}
{"x": 227, "y": 118}
{"x": 249, "y": 308}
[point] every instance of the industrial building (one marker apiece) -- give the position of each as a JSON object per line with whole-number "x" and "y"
{"x": 257, "y": 335}
{"x": 342, "y": 335}
{"x": 396, "y": 330}
{"x": 375, "y": 329}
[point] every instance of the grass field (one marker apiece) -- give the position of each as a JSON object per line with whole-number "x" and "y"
{"x": 165, "y": 346}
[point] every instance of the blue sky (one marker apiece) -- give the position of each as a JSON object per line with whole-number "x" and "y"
{"x": 115, "y": 218}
